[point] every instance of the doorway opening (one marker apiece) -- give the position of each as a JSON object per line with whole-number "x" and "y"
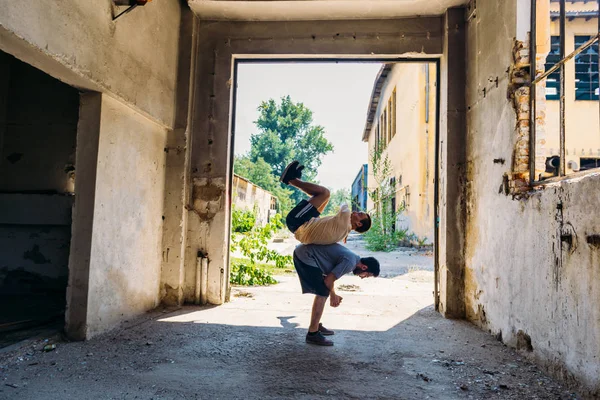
{"x": 38, "y": 129}
{"x": 381, "y": 118}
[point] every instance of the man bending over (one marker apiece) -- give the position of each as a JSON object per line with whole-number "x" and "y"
{"x": 318, "y": 267}
{"x": 304, "y": 221}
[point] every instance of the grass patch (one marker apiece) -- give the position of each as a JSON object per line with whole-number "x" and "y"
{"x": 268, "y": 267}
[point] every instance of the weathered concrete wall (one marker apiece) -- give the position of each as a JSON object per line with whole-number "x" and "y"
{"x": 125, "y": 261}
{"x": 532, "y": 265}
{"x": 135, "y": 57}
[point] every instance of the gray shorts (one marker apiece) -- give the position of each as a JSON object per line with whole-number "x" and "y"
{"x": 311, "y": 278}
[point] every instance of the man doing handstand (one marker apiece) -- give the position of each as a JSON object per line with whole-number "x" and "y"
{"x": 304, "y": 220}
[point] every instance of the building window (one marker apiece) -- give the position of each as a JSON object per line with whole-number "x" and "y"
{"x": 384, "y": 123}
{"x": 553, "y": 81}
{"x": 394, "y": 113}
{"x": 382, "y": 130}
{"x": 556, "y": 67}
{"x": 586, "y": 70}
{"x": 589, "y": 163}
{"x": 389, "y": 118}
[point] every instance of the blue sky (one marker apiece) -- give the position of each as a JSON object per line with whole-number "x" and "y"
{"x": 338, "y": 95}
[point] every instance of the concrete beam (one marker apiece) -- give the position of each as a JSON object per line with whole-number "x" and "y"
{"x": 317, "y": 10}
{"x": 364, "y": 38}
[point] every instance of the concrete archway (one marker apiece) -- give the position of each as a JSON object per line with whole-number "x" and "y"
{"x": 218, "y": 45}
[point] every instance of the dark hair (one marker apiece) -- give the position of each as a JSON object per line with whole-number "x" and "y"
{"x": 372, "y": 265}
{"x": 365, "y": 224}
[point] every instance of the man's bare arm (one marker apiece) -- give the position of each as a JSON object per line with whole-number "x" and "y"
{"x": 334, "y": 299}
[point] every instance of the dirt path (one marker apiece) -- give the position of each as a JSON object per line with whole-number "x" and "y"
{"x": 389, "y": 344}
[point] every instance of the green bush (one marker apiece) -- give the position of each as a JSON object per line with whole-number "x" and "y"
{"x": 253, "y": 246}
{"x": 381, "y": 237}
{"x": 249, "y": 275}
{"x": 242, "y": 220}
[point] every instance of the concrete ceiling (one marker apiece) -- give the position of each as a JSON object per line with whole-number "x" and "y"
{"x": 297, "y": 10}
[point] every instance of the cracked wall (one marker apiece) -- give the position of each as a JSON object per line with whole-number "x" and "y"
{"x": 532, "y": 273}
{"x": 125, "y": 261}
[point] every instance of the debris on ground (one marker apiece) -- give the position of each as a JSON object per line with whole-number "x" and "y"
{"x": 49, "y": 347}
{"x": 349, "y": 288}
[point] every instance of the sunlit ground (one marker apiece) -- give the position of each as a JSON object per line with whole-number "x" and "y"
{"x": 373, "y": 304}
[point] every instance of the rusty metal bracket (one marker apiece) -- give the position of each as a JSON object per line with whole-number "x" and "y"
{"x": 131, "y": 3}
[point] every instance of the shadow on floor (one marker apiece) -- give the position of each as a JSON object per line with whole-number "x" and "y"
{"x": 423, "y": 357}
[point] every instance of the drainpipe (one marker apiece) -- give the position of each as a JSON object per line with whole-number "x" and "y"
{"x": 201, "y": 295}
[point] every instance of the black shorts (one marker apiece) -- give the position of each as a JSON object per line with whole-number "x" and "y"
{"x": 311, "y": 278}
{"x": 300, "y": 215}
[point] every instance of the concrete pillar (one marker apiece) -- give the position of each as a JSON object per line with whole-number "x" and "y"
{"x": 210, "y": 164}
{"x": 177, "y": 169}
{"x": 452, "y": 173}
{"x": 88, "y": 134}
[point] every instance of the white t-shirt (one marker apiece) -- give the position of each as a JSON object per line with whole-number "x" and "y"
{"x": 326, "y": 230}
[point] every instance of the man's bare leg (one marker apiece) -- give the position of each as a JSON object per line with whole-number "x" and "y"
{"x": 319, "y": 195}
{"x": 317, "y": 313}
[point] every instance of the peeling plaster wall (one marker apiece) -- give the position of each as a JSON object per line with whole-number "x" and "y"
{"x": 125, "y": 262}
{"x": 532, "y": 265}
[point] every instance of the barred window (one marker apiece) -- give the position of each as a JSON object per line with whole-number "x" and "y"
{"x": 586, "y": 70}
{"x": 564, "y": 44}
{"x": 553, "y": 81}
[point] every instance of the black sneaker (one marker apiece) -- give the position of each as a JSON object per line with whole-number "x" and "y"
{"x": 318, "y": 339}
{"x": 299, "y": 171}
{"x": 290, "y": 172}
{"x": 324, "y": 331}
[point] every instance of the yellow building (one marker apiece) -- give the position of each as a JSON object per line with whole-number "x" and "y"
{"x": 582, "y": 141}
{"x": 248, "y": 196}
{"x": 401, "y": 119}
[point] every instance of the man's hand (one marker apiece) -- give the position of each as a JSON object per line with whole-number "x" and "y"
{"x": 334, "y": 300}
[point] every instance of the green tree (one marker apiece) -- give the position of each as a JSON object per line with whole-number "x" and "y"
{"x": 338, "y": 198}
{"x": 286, "y": 133}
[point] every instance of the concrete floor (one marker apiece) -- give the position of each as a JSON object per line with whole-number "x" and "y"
{"x": 389, "y": 344}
